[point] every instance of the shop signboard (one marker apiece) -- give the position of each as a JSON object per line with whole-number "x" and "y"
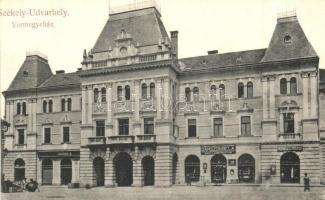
{"x": 216, "y": 149}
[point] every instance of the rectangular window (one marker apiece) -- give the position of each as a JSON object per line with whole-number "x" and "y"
{"x": 123, "y": 126}
{"x": 192, "y": 128}
{"x": 246, "y": 126}
{"x": 66, "y": 134}
{"x": 21, "y": 136}
{"x": 289, "y": 123}
{"x": 47, "y": 135}
{"x": 148, "y": 126}
{"x": 100, "y": 128}
{"x": 217, "y": 127}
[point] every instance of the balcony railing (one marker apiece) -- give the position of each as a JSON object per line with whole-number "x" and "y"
{"x": 98, "y": 140}
{"x": 290, "y": 136}
{"x": 120, "y": 139}
{"x": 148, "y": 105}
{"x": 146, "y": 139}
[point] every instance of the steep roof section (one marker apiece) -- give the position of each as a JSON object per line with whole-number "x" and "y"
{"x": 62, "y": 79}
{"x": 33, "y": 72}
{"x": 288, "y": 41}
{"x": 222, "y": 60}
{"x": 144, "y": 26}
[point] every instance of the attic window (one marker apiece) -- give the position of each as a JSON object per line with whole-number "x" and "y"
{"x": 25, "y": 73}
{"x": 287, "y": 39}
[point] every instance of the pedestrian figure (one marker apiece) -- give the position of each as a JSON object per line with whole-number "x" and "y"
{"x": 188, "y": 181}
{"x": 23, "y": 183}
{"x": 306, "y": 183}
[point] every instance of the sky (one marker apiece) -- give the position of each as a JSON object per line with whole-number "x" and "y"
{"x": 203, "y": 25}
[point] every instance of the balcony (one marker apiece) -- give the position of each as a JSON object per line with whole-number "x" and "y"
{"x": 147, "y": 105}
{"x": 98, "y": 140}
{"x": 290, "y": 137}
{"x": 99, "y": 107}
{"x": 145, "y": 139}
{"x": 120, "y": 139}
{"x": 122, "y": 106}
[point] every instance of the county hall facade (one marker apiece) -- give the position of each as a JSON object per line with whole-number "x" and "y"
{"x": 135, "y": 114}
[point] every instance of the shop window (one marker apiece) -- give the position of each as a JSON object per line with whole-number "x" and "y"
{"x": 47, "y": 135}
{"x": 148, "y": 126}
{"x": 250, "y": 90}
{"x": 188, "y": 94}
{"x": 21, "y": 136}
{"x": 192, "y": 169}
{"x": 100, "y": 128}
{"x": 289, "y": 123}
{"x": 192, "y": 128}
{"x": 293, "y": 86}
{"x": 103, "y": 91}
{"x": 245, "y": 125}
{"x": 127, "y": 92}
{"x": 240, "y": 90}
{"x": 217, "y": 127}
{"x": 123, "y": 126}
{"x": 69, "y": 104}
{"x": 283, "y": 86}
{"x": 144, "y": 91}
{"x": 66, "y": 134}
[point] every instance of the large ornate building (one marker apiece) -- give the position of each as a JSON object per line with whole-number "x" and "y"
{"x": 135, "y": 114}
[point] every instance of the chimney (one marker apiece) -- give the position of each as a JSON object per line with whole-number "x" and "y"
{"x": 60, "y": 72}
{"x": 212, "y": 52}
{"x": 174, "y": 42}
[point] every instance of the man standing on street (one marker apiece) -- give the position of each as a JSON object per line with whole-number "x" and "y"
{"x": 306, "y": 183}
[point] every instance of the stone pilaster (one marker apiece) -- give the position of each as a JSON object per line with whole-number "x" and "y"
{"x": 56, "y": 172}
{"x": 75, "y": 171}
{"x": 305, "y": 86}
{"x": 167, "y": 97}
{"x": 158, "y": 96}
{"x": 90, "y": 105}
{"x": 137, "y": 99}
{"x": 265, "y": 97}
{"x": 84, "y": 104}
{"x": 313, "y": 94}
{"x": 272, "y": 97}
{"x": 109, "y": 171}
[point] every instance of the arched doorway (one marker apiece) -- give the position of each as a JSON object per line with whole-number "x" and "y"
{"x": 148, "y": 166}
{"x": 246, "y": 168}
{"x": 19, "y": 169}
{"x": 290, "y": 168}
{"x": 99, "y": 171}
{"x": 218, "y": 169}
{"x": 192, "y": 168}
{"x": 47, "y": 172}
{"x": 66, "y": 171}
{"x": 123, "y": 169}
{"x": 174, "y": 169}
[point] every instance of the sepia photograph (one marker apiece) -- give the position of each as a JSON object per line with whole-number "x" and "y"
{"x": 162, "y": 99}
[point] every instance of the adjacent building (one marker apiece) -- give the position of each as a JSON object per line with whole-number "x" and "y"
{"x": 135, "y": 114}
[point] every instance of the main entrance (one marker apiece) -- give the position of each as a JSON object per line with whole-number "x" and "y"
{"x": 148, "y": 166}
{"x": 218, "y": 169}
{"x": 19, "y": 169}
{"x": 99, "y": 170}
{"x": 47, "y": 172}
{"x": 290, "y": 168}
{"x": 246, "y": 168}
{"x": 192, "y": 168}
{"x": 66, "y": 171}
{"x": 123, "y": 169}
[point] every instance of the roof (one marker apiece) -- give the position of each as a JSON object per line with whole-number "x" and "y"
{"x": 222, "y": 60}
{"x": 62, "y": 79}
{"x": 144, "y": 26}
{"x": 33, "y": 72}
{"x": 288, "y": 41}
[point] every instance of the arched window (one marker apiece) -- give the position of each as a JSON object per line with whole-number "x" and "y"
{"x": 152, "y": 90}
{"x": 62, "y": 105}
{"x": 213, "y": 92}
{"x": 222, "y": 91}
{"x": 290, "y": 168}
{"x": 144, "y": 91}
{"x": 119, "y": 93}
{"x": 192, "y": 168}
{"x": 19, "y": 169}
{"x": 188, "y": 94}
{"x": 246, "y": 168}
{"x": 24, "y": 108}
{"x": 96, "y": 95}
{"x": 283, "y": 86}
{"x": 103, "y": 91}
{"x": 218, "y": 168}
{"x": 44, "y": 106}
{"x": 127, "y": 92}
{"x": 18, "y": 109}
{"x": 293, "y": 85}
{"x": 250, "y": 91}
{"x": 196, "y": 93}
{"x": 69, "y": 104}
{"x": 50, "y": 106}
{"x": 240, "y": 90}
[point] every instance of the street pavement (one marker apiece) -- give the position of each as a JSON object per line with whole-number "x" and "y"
{"x": 171, "y": 193}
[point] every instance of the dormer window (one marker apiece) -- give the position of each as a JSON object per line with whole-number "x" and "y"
{"x": 287, "y": 39}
